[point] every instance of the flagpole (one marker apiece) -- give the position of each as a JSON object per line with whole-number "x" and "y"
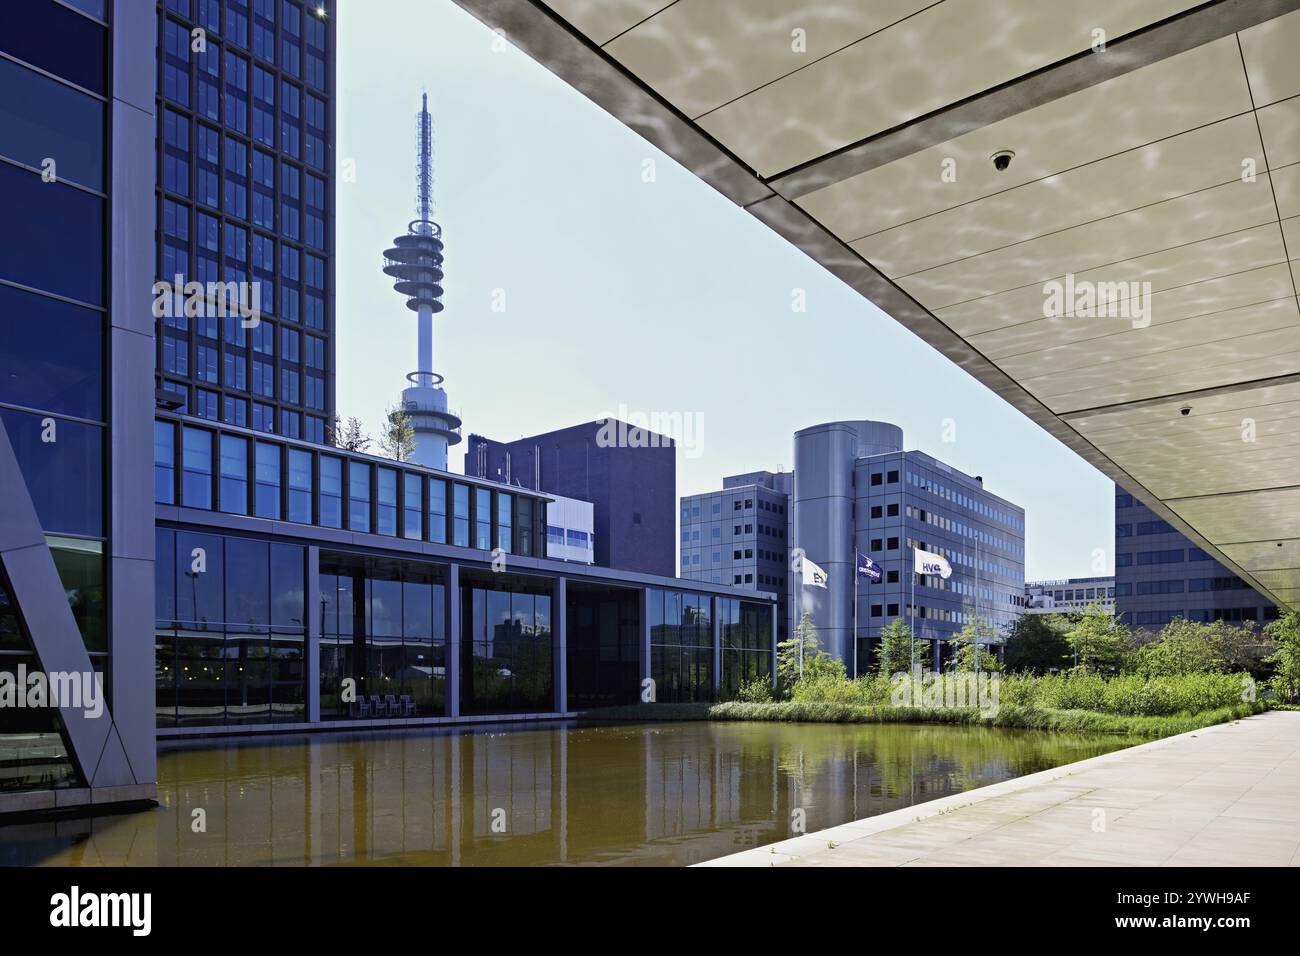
{"x": 911, "y": 610}
{"x": 855, "y": 612}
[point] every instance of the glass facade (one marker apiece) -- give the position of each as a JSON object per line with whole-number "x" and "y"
{"x": 231, "y": 629}
{"x": 746, "y": 635}
{"x": 506, "y": 651}
{"x": 681, "y": 645}
{"x": 246, "y": 195}
{"x": 238, "y": 473}
{"x": 54, "y": 84}
{"x": 603, "y": 640}
{"x": 384, "y": 628}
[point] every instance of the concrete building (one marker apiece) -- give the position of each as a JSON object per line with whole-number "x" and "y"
{"x": 1161, "y": 575}
{"x": 854, "y": 488}
{"x": 1069, "y": 594}
{"x": 628, "y": 474}
{"x": 741, "y": 536}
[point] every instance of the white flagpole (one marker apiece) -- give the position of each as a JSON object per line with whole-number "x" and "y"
{"x": 854, "y": 649}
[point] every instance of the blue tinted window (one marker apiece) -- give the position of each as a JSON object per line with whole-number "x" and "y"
{"x": 62, "y": 464}
{"x": 51, "y": 355}
{"x": 331, "y": 492}
{"x": 41, "y": 118}
{"x": 234, "y": 474}
{"x": 300, "y": 485}
{"x": 196, "y": 466}
{"x": 60, "y": 247}
{"x": 59, "y": 41}
{"x": 387, "y": 502}
{"x": 164, "y": 463}
{"x": 358, "y": 496}
{"x": 267, "y": 474}
{"x": 438, "y": 510}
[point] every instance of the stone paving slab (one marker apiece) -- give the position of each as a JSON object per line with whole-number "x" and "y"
{"x": 1227, "y": 795}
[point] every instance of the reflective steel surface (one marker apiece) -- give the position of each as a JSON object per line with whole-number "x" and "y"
{"x": 658, "y": 794}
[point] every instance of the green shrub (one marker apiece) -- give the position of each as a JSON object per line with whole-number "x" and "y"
{"x": 756, "y": 691}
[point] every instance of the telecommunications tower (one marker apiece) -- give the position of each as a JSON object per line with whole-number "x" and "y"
{"x": 415, "y": 263}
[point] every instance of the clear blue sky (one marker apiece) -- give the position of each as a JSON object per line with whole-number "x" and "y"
{"x": 655, "y": 296}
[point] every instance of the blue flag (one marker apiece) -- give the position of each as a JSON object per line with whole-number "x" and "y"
{"x": 868, "y": 568}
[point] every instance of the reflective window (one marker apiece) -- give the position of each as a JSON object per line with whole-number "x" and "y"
{"x": 331, "y": 492}
{"x": 196, "y": 468}
{"x": 525, "y": 526}
{"x": 80, "y": 564}
{"x": 483, "y": 519}
{"x": 460, "y": 515}
{"x": 386, "y": 501}
{"x": 267, "y": 474}
{"x": 62, "y": 464}
{"x": 58, "y": 41}
{"x": 60, "y": 247}
{"x": 437, "y": 510}
{"x": 505, "y": 522}
{"x": 66, "y": 379}
{"x": 300, "y": 485}
{"x": 412, "y": 506}
{"x": 233, "y": 486}
{"x": 41, "y": 118}
{"x": 164, "y": 463}
{"x": 358, "y": 496}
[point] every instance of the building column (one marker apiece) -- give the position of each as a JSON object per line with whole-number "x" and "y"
{"x": 313, "y": 611}
{"x": 645, "y": 640}
{"x": 453, "y": 639}
{"x": 560, "y": 644}
{"x": 714, "y": 602}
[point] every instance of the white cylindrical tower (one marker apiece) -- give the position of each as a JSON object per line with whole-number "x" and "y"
{"x": 415, "y": 262}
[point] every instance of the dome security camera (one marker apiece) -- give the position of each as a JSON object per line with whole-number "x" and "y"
{"x": 1002, "y": 159}
{"x": 1185, "y": 410}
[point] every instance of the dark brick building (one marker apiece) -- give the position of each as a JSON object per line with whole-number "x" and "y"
{"x": 629, "y": 475}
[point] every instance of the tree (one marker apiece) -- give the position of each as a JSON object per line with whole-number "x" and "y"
{"x": 1182, "y": 647}
{"x": 802, "y": 657}
{"x": 971, "y": 647}
{"x": 1036, "y": 643}
{"x": 1285, "y": 631}
{"x": 397, "y": 441}
{"x": 1098, "y": 640}
{"x": 349, "y": 435}
{"x": 898, "y": 652}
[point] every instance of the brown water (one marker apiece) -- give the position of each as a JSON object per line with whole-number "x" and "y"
{"x": 659, "y": 794}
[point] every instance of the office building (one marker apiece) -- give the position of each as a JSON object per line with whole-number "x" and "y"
{"x": 245, "y": 116}
{"x": 1069, "y": 594}
{"x": 294, "y": 586}
{"x": 76, "y": 397}
{"x": 1160, "y": 575}
{"x": 855, "y": 488}
{"x": 629, "y": 475}
{"x": 740, "y": 536}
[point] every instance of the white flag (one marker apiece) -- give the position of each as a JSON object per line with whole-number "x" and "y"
{"x": 813, "y": 576}
{"x": 923, "y": 562}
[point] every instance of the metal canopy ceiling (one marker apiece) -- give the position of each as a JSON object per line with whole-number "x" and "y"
{"x": 1171, "y": 157}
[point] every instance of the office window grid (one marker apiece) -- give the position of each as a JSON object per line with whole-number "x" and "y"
{"x": 246, "y": 195}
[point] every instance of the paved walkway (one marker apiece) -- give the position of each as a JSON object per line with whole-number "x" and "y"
{"x": 1221, "y": 796}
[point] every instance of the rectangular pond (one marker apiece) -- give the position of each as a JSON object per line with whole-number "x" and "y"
{"x": 667, "y": 794}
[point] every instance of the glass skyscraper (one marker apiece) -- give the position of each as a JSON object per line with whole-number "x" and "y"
{"x": 76, "y": 539}
{"x": 245, "y": 112}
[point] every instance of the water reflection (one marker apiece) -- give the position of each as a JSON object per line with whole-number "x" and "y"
{"x": 665, "y": 794}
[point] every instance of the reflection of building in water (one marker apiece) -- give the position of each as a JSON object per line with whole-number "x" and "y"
{"x": 664, "y": 794}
